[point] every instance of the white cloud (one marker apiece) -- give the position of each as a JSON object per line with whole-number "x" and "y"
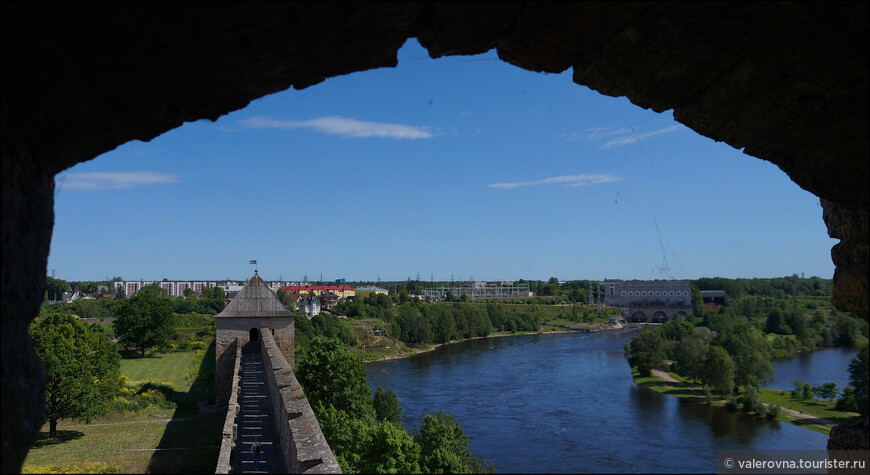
{"x": 616, "y": 137}
{"x": 567, "y": 180}
{"x": 111, "y": 180}
{"x": 594, "y": 133}
{"x": 336, "y": 125}
{"x": 629, "y": 139}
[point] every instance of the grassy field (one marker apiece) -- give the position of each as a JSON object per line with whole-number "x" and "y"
{"x": 170, "y": 367}
{"x": 131, "y": 446}
{"x": 143, "y": 441}
{"x": 823, "y": 409}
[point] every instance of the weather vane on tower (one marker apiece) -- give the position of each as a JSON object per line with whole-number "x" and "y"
{"x": 253, "y": 261}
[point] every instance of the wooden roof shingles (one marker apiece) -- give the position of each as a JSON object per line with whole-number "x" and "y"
{"x": 256, "y": 299}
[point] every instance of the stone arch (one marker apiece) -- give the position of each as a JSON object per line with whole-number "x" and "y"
{"x": 705, "y": 65}
{"x": 638, "y": 317}
{"x": 254, "y": 334}
{"x": 660, "y": 317}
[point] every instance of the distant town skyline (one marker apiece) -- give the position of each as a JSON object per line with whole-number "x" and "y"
{"x": 461, "y": 165}
{"x": 334, "y": 281}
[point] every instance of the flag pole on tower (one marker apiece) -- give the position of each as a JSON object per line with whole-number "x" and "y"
{"x": 253, "y": 261}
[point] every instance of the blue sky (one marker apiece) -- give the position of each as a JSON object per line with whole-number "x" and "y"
{"x": 459, "y": 166}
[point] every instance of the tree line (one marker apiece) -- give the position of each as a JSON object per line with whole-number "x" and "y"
{"x": 210, "y": 302}
{"x": 734, "y": 347}
{"x": 779, "y": 287}
{"x": 416, "y": 323}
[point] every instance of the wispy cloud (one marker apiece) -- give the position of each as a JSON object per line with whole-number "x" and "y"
{"x": 90, "y": 181}
{"x": 567, "y": 180}
{"x": 336, "y": 125}
{"x": 617, "y": 137}
{"x": 628, "y": 139}
{"x": 594, "y": 133}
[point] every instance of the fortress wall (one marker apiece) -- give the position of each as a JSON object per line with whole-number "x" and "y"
{"x": 302, "y": 443}
{"x": 231, "y": 331}
{"x": 228, "y": 440}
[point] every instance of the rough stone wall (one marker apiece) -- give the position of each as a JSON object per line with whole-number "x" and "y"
{"x": 230, "y": 431}
{"x": 28, "y": 215}
{"x": 230, "y": 331}
{"x": 851, "y": 256}
{"x": 302, "y": 443}
{"x": 786, "y": 82}
{"x": 853, "y": 435}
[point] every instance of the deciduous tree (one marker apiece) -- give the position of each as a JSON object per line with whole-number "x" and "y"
{"x": 55, "y": 288}
{"x": 332, "y": 375}
{"x": 719, "y": 370}
{"x": 444, "y": 444}
{"x": 387, "y": 406}
{"x": 646, "y": 351}
{"x": 81, "y": 368}
{"x": 691, "y": 353}
{"x": 145, "y": 319}
{"x": 858, "y": 379}
{"x": 389, "y": 449}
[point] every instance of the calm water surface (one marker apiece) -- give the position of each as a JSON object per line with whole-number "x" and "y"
{"x": 566, "y": 404}
{"x": 819, "y": 367}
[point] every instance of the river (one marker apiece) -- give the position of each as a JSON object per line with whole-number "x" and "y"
{"x": 566, "y": 403}
{"x": 818, "y": 367}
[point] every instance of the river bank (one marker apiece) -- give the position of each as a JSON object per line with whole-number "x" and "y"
{"x": 551, "y": 403}
{"x": 818, "y": 416}
{"x": 417, "y": 351}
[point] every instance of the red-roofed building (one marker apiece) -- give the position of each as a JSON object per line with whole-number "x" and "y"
{"x": 343, "y": 291}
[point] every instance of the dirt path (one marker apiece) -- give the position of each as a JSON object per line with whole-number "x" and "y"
{"x": 807, "y": 418}
{"x": 664, "y": 376}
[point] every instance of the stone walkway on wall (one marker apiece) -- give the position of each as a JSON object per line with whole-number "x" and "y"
{"x": 255, "y": 418}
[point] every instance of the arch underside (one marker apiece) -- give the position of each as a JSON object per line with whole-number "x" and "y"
{"x": 785, "y": 82}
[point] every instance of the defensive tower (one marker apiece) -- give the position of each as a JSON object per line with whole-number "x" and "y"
{"x": 255, "y": 307}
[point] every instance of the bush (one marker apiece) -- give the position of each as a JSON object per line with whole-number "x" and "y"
{"x": 847, "y": 401}
{"x": 750, "y": 399}
{"x": 731, "y": 405}
{"x": 772, "y": 411}
{"x": 134, "y": 397}
{"x": 759, "y": 409}
{"x": 197, "y": 345}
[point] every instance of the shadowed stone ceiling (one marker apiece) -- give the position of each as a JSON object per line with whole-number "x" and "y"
{"x": 785, "y": 82}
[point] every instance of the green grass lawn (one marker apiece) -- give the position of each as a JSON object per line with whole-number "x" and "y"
{"x": 669, "y": 388}
{"x": 169, "y": 367}
{"x": 135, "y": 443}
{"x": 823, "y": 409}
{"x": 122, "y": 446}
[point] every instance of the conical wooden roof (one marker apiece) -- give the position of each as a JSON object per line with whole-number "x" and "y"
{"x": 256, "y": 299}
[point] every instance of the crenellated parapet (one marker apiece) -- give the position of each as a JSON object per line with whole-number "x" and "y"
{"x": 302, "y": 442}
{"x": 230, "y": 432}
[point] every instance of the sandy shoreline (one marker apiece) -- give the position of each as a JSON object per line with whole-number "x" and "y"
{"x": 595, "y": 328}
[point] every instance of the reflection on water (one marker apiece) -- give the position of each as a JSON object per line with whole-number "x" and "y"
{"x": 567, "y": 404}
